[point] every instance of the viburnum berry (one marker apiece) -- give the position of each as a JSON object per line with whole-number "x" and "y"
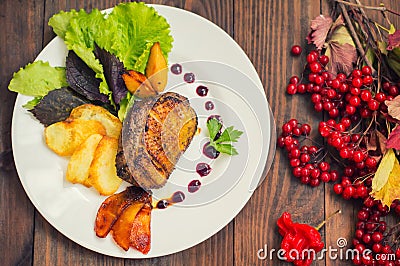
{"x": 294, "y": 80}
{"x": 315, "y": 67}
{"x": 296, "y": 50}
{"x": 366, "y": 95}
{"x": 323, "y": 59}
{"x": 356, "y": 73}
{"x": 338, "y": 189}
{"x": 366, "y": 70}
{"x": 291, "y": 89}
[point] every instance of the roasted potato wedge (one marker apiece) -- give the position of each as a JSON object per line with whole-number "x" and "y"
{"x": 93, "y": 112}
{"x": 157, "y": 68}
{"x": 140, "y": 238}
{"x": 65, "y": 137}
{"x": 113, "y": 207}
{"x": 138, "y": 84}
{"x": 81, "y": 159}
{"x": 121, "y": 229}
{"x": 102, "y": 171}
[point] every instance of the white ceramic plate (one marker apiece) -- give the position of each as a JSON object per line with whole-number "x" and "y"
{"x": 239, "y": 98}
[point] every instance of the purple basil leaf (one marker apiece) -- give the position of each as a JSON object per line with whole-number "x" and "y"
{"x": 82, "y": 79}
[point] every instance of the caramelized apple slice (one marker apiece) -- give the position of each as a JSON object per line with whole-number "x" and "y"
{"x": 113, "y": 207}
{"x": 121, "y": 229}
{"x": 157, "y": 68}
{"x": 140, "y": 237}
{"x": 138, "y": 84}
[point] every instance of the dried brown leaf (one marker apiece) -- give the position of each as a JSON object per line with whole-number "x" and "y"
{"x": 382, "y": 142}
{"x": 394, "y": 107}
{"x": 342, "y": 57}
{"x": 372, "y": 142}
{"x": 320, "y": 27}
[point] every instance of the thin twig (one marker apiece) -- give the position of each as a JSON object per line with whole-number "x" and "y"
{"x": 354, "y": 34}
{"x": 378, "y": 8}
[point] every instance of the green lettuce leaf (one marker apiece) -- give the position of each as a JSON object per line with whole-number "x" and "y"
{"x": 37, "y": 79}
{"x": 60, "y": 22}
{"x": 132, "y": 28}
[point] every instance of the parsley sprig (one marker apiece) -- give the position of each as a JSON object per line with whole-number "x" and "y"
{"x": 222, "y": 143}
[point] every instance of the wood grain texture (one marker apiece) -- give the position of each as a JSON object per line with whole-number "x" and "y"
{"x": 267, "y": 33}
{"x": 21, "y": 40}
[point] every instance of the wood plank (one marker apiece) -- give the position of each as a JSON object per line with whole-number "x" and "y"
{"x": 21, "y": 40}
{"x": 266, "y": 30}
{"x": 215, "y": 251}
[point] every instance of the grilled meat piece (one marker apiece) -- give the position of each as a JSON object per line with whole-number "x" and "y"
{"x": 155, "y": 134}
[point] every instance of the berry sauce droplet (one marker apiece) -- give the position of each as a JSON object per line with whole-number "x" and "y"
{"x": 210, "y": 151}
{"x": 194, "y": 185}
{"x": 177, "y": 197}
{"x": 176, "y": 69}
{"x": 203, "y": 169}
{"x": 202, "y": 91}
{"x": 218, "y": 117}
{"x": 209, "y": 105}
{"x": 189, "y": 77}
{"x": 162, "y": 204}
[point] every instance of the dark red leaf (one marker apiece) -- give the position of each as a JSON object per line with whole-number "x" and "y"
{"x": 394, "y": 139}
{"x": 393, "y": 40}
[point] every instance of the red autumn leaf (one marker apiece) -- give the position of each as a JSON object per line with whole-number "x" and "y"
{"x": 393, "y": 140}
{"x": 319, "y": 30}
{"x": 342, "y": 57}
{"x": 393, "y": 40}
{"x": 394, "y": 107}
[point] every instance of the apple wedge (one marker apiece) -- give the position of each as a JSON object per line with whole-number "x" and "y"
{"x": 157, "y": 68}
{"x": 112, "y": 207}
{"x": 121, "y": 230}
{"x": 140, "y": 237}
{"x": 138, "y": 84}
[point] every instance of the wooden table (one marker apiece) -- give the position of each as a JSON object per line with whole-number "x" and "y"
{"x": 265, "y": 30}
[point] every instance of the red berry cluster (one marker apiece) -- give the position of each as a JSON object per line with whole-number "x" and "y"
{"x": 345, "y": 96}
{"x": 306, "y": 160}
{"x": 354, "y": 105}
{"x": 371, "y": 232}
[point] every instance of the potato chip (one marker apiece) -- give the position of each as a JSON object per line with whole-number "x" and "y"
{"x": 81, "y": 159}
{"x": 65, "y": 137}
{"x": 102, "y": 172}
{"x": 93, "y": 112}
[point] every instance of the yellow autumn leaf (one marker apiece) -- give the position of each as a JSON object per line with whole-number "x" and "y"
{"x": 384, "y": 169}
{"x": 391, "y": 190}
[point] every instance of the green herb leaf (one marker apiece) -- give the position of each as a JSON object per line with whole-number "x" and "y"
{"x": 226, "y": 148}
{"x": 229, "y": 135}
{"x": 214, "y": 127}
